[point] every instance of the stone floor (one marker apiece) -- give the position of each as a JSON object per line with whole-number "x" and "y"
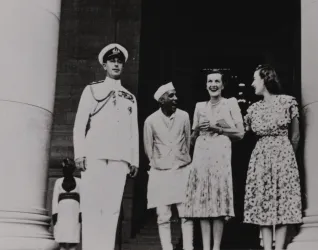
{"x": 236, "y": 237}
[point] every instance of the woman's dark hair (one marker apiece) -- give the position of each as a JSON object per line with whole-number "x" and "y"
{"x": 216, "y": 71}
{"x": 271, "y": 81}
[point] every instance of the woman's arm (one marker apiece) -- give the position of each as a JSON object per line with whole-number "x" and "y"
{"x": 233, "y": 133}
{"x": 294, "y": 126}
{"x": 294, "y": 133}
{"x": 238, "y": 132}
{"x": 194, "y": 135}
{"x": 196, "y": 126}
{"x": 202, "y": 126}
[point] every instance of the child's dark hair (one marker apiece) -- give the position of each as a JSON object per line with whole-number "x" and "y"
{"x": 68, "y": 163}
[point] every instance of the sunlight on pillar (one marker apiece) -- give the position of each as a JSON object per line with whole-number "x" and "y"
{"x": 28, "y": 48}
{"x": 308, "y": 236}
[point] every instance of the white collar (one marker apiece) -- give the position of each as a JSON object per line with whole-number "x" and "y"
{"x": 112, "y": 82}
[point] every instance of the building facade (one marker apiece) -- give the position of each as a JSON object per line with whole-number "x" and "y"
{"x": 61, "y": 40}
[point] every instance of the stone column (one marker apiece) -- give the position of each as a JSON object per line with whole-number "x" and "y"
{"x": 308, "y": 236}
{"x": 28, "y": 56}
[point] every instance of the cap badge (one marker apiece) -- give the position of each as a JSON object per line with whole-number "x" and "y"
{"x": 116, "y": 51}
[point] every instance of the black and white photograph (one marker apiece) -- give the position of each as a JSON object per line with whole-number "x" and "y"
{"x": 158, "y": 125}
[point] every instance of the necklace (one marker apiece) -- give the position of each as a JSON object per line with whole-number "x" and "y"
{"x": 214, "y": 107}
{"x": 216, "y": 103}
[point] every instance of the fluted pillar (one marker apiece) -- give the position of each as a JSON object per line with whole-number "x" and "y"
{"x": 28, "y": 58}
{"x": 308, "y": 236}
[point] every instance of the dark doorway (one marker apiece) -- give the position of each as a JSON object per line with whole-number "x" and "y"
{"x": 179, "y": 39}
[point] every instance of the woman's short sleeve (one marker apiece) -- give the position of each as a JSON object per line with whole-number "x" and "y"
{"x": 235, "y": 111}
{"x": 293, "y": 108}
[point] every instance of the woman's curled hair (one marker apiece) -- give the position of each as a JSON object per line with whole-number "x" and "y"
{"x": 271, "y": 81}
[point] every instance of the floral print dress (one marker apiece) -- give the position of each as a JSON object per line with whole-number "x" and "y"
{"x": 209, "y": 189}
{"x": 272, "y": 194}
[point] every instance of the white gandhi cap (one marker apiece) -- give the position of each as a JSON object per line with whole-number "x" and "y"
{"x": 163, "y": 89}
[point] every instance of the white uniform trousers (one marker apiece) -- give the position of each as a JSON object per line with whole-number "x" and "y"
{"x": 164, "y": 227}
{"x": 102, "y": 189}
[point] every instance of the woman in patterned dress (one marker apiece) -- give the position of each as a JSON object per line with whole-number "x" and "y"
{"x": 272, "y": 194}
{"x": 209, "y": 194}
{"x": 66, "y": 214}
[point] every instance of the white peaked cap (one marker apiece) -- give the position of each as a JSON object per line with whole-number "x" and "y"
{"x": 163, "y": 89}
{"x": 117, "y": 48}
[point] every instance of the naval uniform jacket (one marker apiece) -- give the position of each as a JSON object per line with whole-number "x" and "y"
{"x": 109, "y": 112}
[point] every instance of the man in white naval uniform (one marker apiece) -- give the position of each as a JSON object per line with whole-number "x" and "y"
{"x": 167, "y": 145}
{"x": 106, "y": 149}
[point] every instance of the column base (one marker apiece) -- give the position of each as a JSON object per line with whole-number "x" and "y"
{"x": 25, "y": 229}
{"x": 307, "y": 239}
{"x": 303, "y": 245}
{"x": 20, "y": 243}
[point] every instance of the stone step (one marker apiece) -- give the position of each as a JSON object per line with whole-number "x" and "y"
{"x": 153, "y": 226}
{"x": 154, "y": 231}
{"x": 155, "y": 238}
{"x": 130, "y": 246}
{"x": 148, "y": 237}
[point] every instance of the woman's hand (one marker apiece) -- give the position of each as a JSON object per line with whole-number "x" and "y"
{"x": 204, "y": 126}
{"x": 216, "y": 129}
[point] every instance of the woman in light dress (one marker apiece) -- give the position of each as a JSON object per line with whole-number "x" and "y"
{"x": 209, "y": 194}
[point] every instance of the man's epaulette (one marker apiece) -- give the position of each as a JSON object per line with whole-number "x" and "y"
{"x": 126, "y": 95}
{"x": 92, "y": 83}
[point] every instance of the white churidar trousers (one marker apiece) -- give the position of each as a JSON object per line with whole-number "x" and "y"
{"x": 164, "y": 227}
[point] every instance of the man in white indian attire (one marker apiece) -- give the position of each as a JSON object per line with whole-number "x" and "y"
{"x": 167, "y": 145}
{"x": 106, "y": 149}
